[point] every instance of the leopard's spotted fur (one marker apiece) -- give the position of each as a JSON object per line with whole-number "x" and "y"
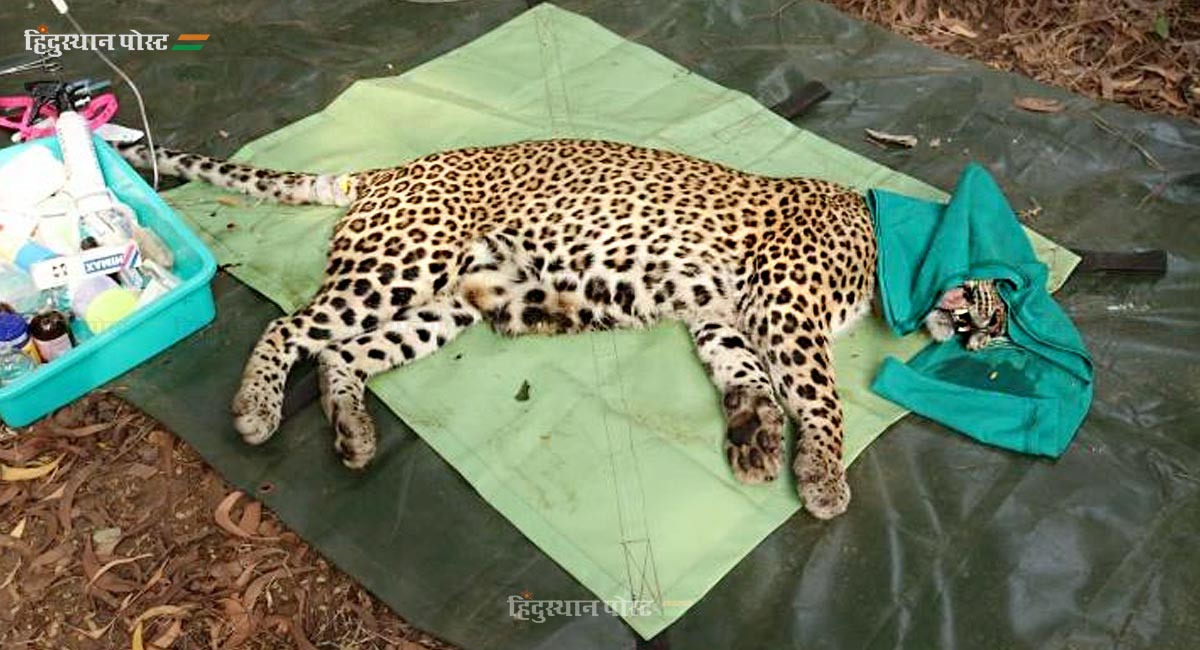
{"x": 564, "y": 236}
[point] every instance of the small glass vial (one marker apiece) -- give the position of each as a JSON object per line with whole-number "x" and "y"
{"x": 51, "y": 334}
{"x": 18, "y": 355}
{"x": 14, "y": 365}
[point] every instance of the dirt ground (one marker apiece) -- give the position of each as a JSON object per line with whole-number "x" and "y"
{"x": 115, "y": 534}
{"x": 1144, "y": 53}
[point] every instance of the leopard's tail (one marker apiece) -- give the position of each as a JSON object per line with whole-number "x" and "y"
{"x": 284, "y": 187}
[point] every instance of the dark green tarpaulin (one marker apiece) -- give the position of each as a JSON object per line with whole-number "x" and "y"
{"x": 949, "y": 543}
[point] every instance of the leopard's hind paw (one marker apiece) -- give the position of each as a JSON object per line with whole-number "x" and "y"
{"x": 754, "y": 439}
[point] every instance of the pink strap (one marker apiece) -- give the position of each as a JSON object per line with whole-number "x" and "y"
{"x": 98, "y": 111}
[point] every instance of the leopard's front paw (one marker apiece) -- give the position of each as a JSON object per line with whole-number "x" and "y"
{"x": 754, "y": 439}
{"x": 256, "y": 412}
{"x": 822, "y": 486}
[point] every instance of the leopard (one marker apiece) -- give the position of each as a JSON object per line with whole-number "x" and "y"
{"x": 562, "y": 236}
{"x": 974, "y": 310}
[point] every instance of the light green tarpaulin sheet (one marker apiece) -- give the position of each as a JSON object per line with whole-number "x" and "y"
{"x": 613, "y": 464}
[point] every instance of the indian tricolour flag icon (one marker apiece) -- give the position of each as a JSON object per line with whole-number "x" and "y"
{"x": 190, "y": 42}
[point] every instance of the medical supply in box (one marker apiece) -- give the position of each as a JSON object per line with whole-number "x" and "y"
{"x": 80, "y": 289}
{"x": 51, "y": 334}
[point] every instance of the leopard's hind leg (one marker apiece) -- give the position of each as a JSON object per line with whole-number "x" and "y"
{"x": 801, "y": 367}
{"x": 345, "y": 366}
{"x": 258, "y": 403}
{"x": 353, "y": 299}
{"x": 755, "y": 423}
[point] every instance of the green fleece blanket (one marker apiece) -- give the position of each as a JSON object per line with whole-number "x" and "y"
{"x": 1028, "y": 393}
{"x": 610, "y": 461}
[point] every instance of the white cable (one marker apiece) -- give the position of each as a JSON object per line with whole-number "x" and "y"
{"x": 61, "y": 6}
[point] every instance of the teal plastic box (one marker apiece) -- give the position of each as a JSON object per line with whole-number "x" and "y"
{"x": 140, "y": 335}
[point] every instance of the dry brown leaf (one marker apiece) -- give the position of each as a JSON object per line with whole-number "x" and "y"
{"x": 116, "y": 563}
{"x": 952, "y": 25}
{"x": 222, "y": 515}
{"x": 1106, "y": 87}
{"x": 240, "y": 620}
{"x": 19, "y": 529}
{"x": 162, "y": 610}
{"x": 104, "y": 584}
{"x": 363, "y": 609}
{"x": 56, "y": 494}
{"x": 94, "y": 633}
{"x": 141, "y": 471}
{"x": 11, "y": 575}
{"x": 8, "y": 494}
{"x": 1039, "y": 104}
{"x": 92, "y": 429}
{"x": 168, "y": 637}
{"x": 25, "y": 451}
{"x": 962, "y": 30}
{"x": 54, "y": 555}
{"x": 68, "y": 498}
{"x": 91, "y": 564}
{"x": 1126, "y": 85}
{"x": 298, "y": 636}
{"x": 882, "y": 138}
{"x": 29, "y": 473}
{"x": 251, "y": 517}
{"x": 258, "y": 586}
{"x": 244, "y": 578}
{"x": 155, "y": 578}
{"x": 225, "y": 521}
{"x": 1171, "y": 98}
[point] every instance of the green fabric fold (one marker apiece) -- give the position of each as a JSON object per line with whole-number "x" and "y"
{"x": 1029, "y": 394}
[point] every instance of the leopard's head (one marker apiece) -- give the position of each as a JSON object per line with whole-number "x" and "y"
{"x": 974, "y": 310}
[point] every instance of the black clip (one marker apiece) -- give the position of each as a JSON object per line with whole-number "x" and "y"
{"x": 799, "y": 102}
{"x": 1152, "y": 262}
{"x": 48, "y": 92}
{"x": 65, "y": 96}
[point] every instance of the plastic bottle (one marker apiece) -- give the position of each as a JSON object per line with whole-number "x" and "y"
{"x": 51, "y": 334}
{"x": 17, "y": 289}
{"x": 101, "y": 214}
{"x": 14, "y": 335}
{"x": 87, "y": 244}
{"x": 100, "y": 303}
{"x": 85, "y": 182}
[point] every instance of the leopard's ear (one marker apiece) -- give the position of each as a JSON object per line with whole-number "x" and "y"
{"x": 953, "y": 299}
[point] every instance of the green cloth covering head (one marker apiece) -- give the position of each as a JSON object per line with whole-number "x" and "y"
{"x": 1029, "y": 393}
